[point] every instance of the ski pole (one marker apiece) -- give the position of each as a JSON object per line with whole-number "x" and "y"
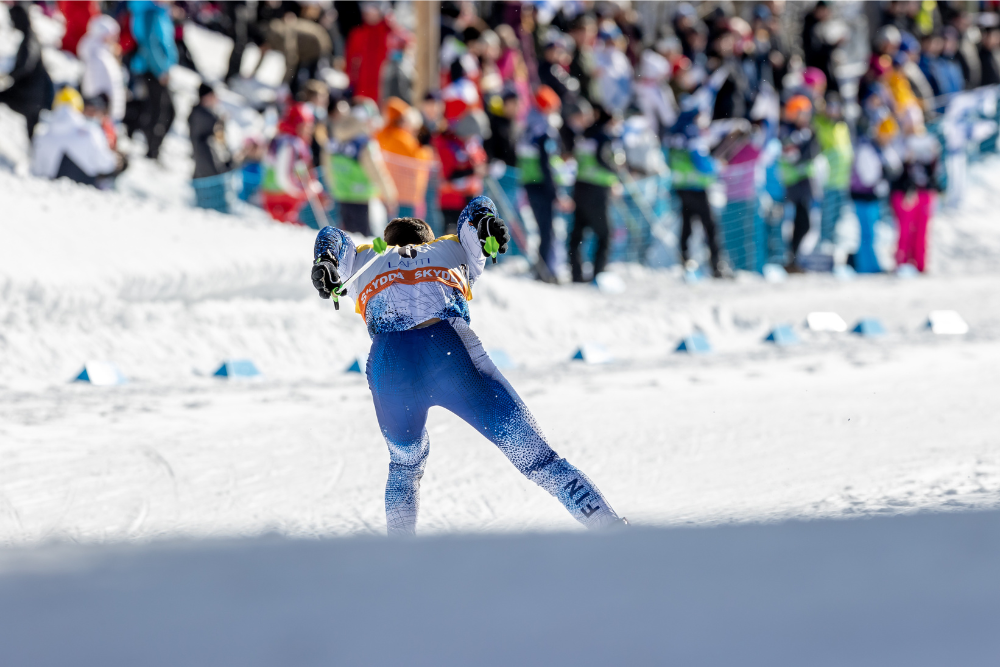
{"x": 318, "y": 212}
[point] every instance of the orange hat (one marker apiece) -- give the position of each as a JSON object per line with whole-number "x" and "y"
{"x": 799, "y": 104}
{"x": 395, "y": 109}
{"x": 546, "y": 100}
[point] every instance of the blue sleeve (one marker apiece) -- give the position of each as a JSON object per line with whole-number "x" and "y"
{"x": 340, "y": 244}
{"x": 468, "y": 235}
{"x": 162, "y": 49}
{"x": 154, "y": 37}
{"x": 704, "y": 162}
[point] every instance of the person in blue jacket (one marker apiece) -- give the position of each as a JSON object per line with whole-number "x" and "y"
{"x": 152, "y": 109}
{"x": 414, "y": 300}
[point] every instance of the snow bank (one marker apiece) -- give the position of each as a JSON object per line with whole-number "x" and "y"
{"x": 163, "y": 289}
{"x": 916, "y": 591}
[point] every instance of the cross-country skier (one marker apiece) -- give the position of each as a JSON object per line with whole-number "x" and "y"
{"x": 414, "y": 301}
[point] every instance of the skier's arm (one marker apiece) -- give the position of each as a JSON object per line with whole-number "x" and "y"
{"x": 334, "y": 255}
{"x": 478, "y": 221}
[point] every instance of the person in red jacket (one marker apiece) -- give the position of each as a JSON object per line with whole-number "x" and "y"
{"x": 77, "y": 15}
{"x": 367, "y": 48}
{"x": 463, "y": 162}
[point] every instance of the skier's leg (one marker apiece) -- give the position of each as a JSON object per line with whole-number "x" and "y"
{"x": 393, "y": 377}
{"x": 469, "y": 384}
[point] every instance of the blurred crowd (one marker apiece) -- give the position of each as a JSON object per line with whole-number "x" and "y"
{"x": 754, "y": 117}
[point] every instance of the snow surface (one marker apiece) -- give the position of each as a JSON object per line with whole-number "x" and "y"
{"x": 916, "y": 591}
{"x": 836, "y": 427}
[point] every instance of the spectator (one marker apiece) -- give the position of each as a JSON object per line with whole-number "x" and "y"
{"x": 29, "y": 88}
{"x": 358, "y": 172}
{"x": 597, "y": 162}
{"x": 69, "y": 145}
{"x": 653, "y": 96}
{"x": 798, "y": 150}
{"x": 818, "y": 50}
{"x": 399, "y": 69}
{"x": 612, "y": 70}
{"x": 536, "y": 150}
{"x": 694, "y": 170}
{"x": 238, "y": 26}
{"x": 78, "y": 15}
{"x": 96, "y": 109}
{"x": 943, "y": 73}
{"x": 366, "y": 49}
{"x": 432, "y": 117}
{"x": 316, "y": 95}
{"x": 834, "y": 138}
{"x": 208, "y": 140}
{"x": 502, "y": 111}
{"x": 734, "y": 98}
{"x": 407, "y": 161}
{"x": 463, "y": 161}
{"x": 303, "y": 43}
{"x": 912, "y": 196}
{"x": 770, "y": 59}
{"x": 511, "y": 65}
{"x": 989, "y": 56}
{"x": 552, "y": 70}
{"x": 905, "y": 103}
{"x": 155, "y": 54}
{"x": 102, "y": 74}
{"x": 874, "y": 164}
{"x": 968, "y": 52}
{"x": 583, "y": 31}
{"x": 910, "y": 68}
{"x": 290, "y": 183}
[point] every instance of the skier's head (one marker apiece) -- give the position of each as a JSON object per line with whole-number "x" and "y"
{"x": 407, "y": 231}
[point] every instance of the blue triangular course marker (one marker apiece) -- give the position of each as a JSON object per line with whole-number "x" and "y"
{"x": 100, "y": 373}
{"x": 869, "y": 326}
{"x": 237, "y": 368}
{"x": 355, "y": 367}
{"x": 782, "y": 335}
{"x": 592, "y": 353}
{"x": 696, "y": 343}
{"x": 501, "y": 359}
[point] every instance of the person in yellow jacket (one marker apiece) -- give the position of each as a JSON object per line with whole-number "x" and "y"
{"x": 834, "y": 138}
{"x": 407, "y": 162}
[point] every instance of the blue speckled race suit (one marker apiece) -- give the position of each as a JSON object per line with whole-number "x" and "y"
{"x": 444, "y": 364}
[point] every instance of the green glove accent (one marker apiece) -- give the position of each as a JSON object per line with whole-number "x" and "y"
{"x": 379, "y": 246}
{"x": 491, "y": 247}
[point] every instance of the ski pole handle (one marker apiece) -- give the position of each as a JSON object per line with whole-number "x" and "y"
{"x": 491, "y": 247}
